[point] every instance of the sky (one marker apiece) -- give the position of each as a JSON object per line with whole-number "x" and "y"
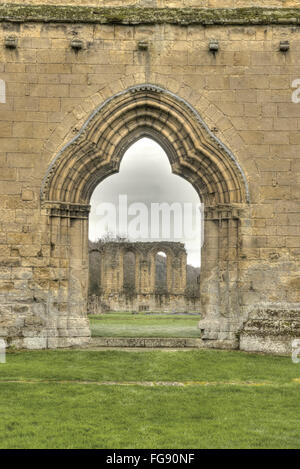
{"x": 129, "y": 203}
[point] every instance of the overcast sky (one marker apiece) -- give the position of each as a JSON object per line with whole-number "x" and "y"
{"x": 145, "y": 178}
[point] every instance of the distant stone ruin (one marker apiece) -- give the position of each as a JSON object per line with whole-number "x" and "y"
{"x": 130, "y": 278}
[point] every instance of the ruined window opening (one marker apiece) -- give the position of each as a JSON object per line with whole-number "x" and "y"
{"x": 161, "y": 285}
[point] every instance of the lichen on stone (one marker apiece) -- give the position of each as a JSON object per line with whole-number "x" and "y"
{"x": 138, "y": 15}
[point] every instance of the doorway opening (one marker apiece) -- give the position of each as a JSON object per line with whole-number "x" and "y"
{"x": 95, "y": 155}
{"x": 146, "y": 223}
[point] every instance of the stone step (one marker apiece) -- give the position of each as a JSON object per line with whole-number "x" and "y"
{"x": 147, "y": 342}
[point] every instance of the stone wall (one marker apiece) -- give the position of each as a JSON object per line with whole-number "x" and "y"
{"x": 158, "y": 303}
{"x": 226, "y": 120}
{"x": 271, "y": 330}
{"x": 170, "y": 3}
{"x": 112, "y": 255}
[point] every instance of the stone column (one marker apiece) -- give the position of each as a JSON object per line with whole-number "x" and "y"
{"x": 145, "y": 268}
{"x": 137, "y": 271}
{"x": 170, "y": 271}
{"x": 183, "y": 270}
{"x": 68, "y": 287}
{"x": 112, "y": 268}
{"x": 209, "y": 276}
{"x": 219, "y": 278}
{"x": 178, "y": 272}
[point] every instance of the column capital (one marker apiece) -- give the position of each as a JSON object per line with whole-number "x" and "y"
{"x": 223, "y": 212}
{"x": 66, "y": 210}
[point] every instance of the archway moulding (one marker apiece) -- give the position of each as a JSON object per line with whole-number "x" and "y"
{"x": 214, "y": 117}
{"x": 142, "y": 110}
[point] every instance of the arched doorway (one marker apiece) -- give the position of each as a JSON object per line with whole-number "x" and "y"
{"x": 194, "y": 153}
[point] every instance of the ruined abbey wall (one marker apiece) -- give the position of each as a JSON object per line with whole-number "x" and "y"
{"x": 248, "y": 132}
{"x": 112, "y": 256}
{"x": 141, "y": 291}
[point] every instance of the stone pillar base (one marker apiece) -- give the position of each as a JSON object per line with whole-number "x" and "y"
{"x": 219, "y": 333}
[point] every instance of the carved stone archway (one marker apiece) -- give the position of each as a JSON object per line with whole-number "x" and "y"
{"x": 194, "y": 153}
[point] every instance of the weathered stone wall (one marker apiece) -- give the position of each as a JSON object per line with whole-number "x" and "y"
{"x": 244, "y": 95}
{"x": 271, "y": 330}
{"x": 164, "y": 303}
{"x": 112, "y": 255}
{"x": 170, "y": 3}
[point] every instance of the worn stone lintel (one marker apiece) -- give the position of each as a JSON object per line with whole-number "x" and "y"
{"x": 66, "y": 210}
{"x": 136, "y": 15}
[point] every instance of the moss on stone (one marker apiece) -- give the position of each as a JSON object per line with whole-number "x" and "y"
{"x": 138, "y": 15}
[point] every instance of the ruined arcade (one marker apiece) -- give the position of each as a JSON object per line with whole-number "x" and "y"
{"x": 214, "y": 87}
{"x": 131, "y": 284}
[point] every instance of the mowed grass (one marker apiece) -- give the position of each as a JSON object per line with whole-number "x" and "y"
{"x": 144, "y": 325}
{"x": 209, "y": 399}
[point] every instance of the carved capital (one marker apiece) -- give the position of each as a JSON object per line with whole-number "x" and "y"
{"x": 223, "y": 212}
{"x": 66, "y": 210}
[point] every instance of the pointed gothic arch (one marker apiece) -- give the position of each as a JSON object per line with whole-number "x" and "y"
{"x": 194, "y": 153}
{"x": 145, "y": 111}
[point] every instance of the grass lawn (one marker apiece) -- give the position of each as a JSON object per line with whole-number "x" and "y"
{"x": 150, "y": 399}
{"x": 144, "y": 325}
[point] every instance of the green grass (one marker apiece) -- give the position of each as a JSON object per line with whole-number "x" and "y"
{"x": 224, "y": 400}
{"x": 114, "y": 365}
{"x": 144, "y": 325}
{"x": 62, "y": 416}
